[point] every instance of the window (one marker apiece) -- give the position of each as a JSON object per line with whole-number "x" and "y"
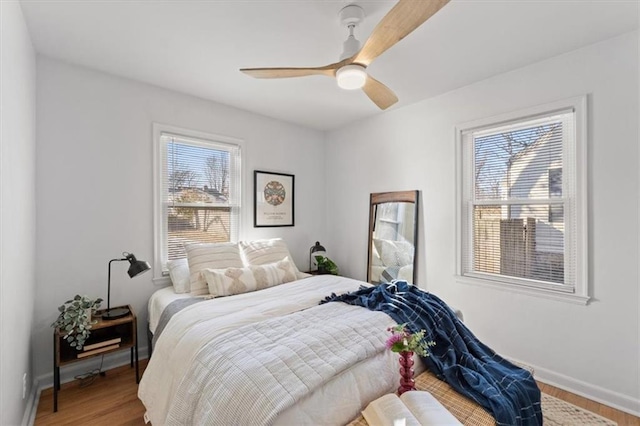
{"x": 522, "y": 204}
{"x": 197, "y": 180}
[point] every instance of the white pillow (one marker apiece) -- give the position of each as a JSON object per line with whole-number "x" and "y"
{"x": 179, "y": 273}
{"x": 209, "y": 255}
{"x": 261, "y": 252}
{"x": 375, "y": 257}
{"x": 394, "y": 253}
{"x": 229, "y": 281}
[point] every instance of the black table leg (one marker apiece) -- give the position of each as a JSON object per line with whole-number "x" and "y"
{"x": 56, "y": 377}
{"x": 137, "y": 366}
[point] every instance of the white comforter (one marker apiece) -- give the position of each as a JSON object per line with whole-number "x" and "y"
{"x": 171, "y": 375}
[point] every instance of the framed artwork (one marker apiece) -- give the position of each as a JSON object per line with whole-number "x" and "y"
{"x": 273, "y": 199}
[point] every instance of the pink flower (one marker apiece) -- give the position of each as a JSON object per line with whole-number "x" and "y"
{"x": 393, "y": 339}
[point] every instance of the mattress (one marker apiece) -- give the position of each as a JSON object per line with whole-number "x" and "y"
{"x": 159, "y": 300}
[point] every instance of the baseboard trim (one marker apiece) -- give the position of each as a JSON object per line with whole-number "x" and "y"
{"x": 587, "y": 390}
{"x": 30, "y": 410}
{"x": 68, "y": 373}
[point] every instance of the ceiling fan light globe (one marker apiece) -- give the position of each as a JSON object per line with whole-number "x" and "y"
{"x": 351, "y": 77}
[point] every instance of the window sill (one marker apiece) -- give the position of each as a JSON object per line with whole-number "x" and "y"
{"x": 531, "y": 291}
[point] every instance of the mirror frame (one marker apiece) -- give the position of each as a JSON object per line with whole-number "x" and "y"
{"x": 393, "y": 197}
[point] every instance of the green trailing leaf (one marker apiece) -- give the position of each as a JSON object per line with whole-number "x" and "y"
{"x": 74, "y": 321}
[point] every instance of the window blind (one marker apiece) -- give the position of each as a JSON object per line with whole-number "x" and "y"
{"x": 200, "y": 192}
{"x": 518, "y": 223}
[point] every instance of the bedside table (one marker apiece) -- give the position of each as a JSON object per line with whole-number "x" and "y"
{"x": 107, "y": 336}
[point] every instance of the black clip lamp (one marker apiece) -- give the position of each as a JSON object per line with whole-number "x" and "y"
{"x": 315, "y": 250}
{"x": 136, "y": 267}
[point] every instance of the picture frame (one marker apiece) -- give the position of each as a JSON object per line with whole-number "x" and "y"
{"x": 273, "y": 198}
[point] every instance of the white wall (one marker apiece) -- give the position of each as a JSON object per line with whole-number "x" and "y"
{"x": 17, "y": 209}
{"x": 95, "y": 184}
{"x": 589, "y": 349}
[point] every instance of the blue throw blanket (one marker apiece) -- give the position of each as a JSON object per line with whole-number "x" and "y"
{"x": 508, "y": 392}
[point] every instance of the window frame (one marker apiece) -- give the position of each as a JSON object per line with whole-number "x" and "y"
{"x": 160, "y": 272}
{"x": 573, "y": 157}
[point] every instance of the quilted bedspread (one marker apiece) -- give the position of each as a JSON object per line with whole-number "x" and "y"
{"x": 271, "y": 358}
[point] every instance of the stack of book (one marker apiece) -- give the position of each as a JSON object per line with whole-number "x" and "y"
{"x": 100, "y": 347}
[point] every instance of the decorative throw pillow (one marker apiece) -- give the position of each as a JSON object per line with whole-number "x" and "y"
{"x": 230, "y": 281}
{"x": 261, "y": 252}
{"x": 209, "y": 255}
{"x": 179, "y": 273}
{"x": 394, "y": 253}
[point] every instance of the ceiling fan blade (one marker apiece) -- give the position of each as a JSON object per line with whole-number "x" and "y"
{"x": 380, "y": 94}
{"x": 328, "y": 70}
{"x": 285, "y": 72}
{"x": 402, "y": 19}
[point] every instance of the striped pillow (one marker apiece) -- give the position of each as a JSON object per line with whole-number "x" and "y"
{"x": 229, "y": 281}
{"x": 209, "y": 255}
{"x": 262, "y": 252}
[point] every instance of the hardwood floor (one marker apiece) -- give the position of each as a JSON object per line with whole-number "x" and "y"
{"x": 112, "y": 400}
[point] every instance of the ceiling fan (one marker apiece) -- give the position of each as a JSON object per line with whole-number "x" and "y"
{"x": 350, "y": 71}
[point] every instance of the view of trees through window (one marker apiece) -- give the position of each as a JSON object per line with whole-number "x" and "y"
{"x": 198, "y": 195}
{"x": 518, "y": 213}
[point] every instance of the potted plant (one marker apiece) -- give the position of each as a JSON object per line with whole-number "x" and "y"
{"x": 326, "y": 265}
{"x": 74, "y": 320}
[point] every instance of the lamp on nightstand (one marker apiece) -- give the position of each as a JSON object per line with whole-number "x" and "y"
{"x": 315, "y": 250}
{"x": 136, "y": 267}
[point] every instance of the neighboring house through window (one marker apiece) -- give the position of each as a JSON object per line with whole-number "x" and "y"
{"x": 556, "y": 211}
{"x": 197, "y": 199}
{"x": 522, "y": 204}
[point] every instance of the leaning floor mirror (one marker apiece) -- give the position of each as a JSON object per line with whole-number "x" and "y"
{"x": 393, "y": 232}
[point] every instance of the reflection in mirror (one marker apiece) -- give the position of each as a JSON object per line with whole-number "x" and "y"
{"x": 393, "y": 231}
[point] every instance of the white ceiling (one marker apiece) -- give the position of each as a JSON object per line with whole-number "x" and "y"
{"x": 197, "y": 47}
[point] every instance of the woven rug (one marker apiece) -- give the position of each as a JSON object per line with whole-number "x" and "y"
{"x": 557, "y": 412}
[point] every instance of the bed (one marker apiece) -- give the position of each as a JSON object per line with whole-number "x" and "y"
{"x": 179, "y": 388}
{"x": 241, "y": 338}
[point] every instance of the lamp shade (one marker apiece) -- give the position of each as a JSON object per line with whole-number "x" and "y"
{"x": 136, "y": 266}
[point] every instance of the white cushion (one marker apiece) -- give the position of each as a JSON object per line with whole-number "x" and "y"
{"x": 262, "y": 252}
{"x": 179, "y": 273}
{"x": 229, "y": 281}
{"x": 375, "y": 257}
{"x": 394, "y": 253}
{"x": 209, "y": 255}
